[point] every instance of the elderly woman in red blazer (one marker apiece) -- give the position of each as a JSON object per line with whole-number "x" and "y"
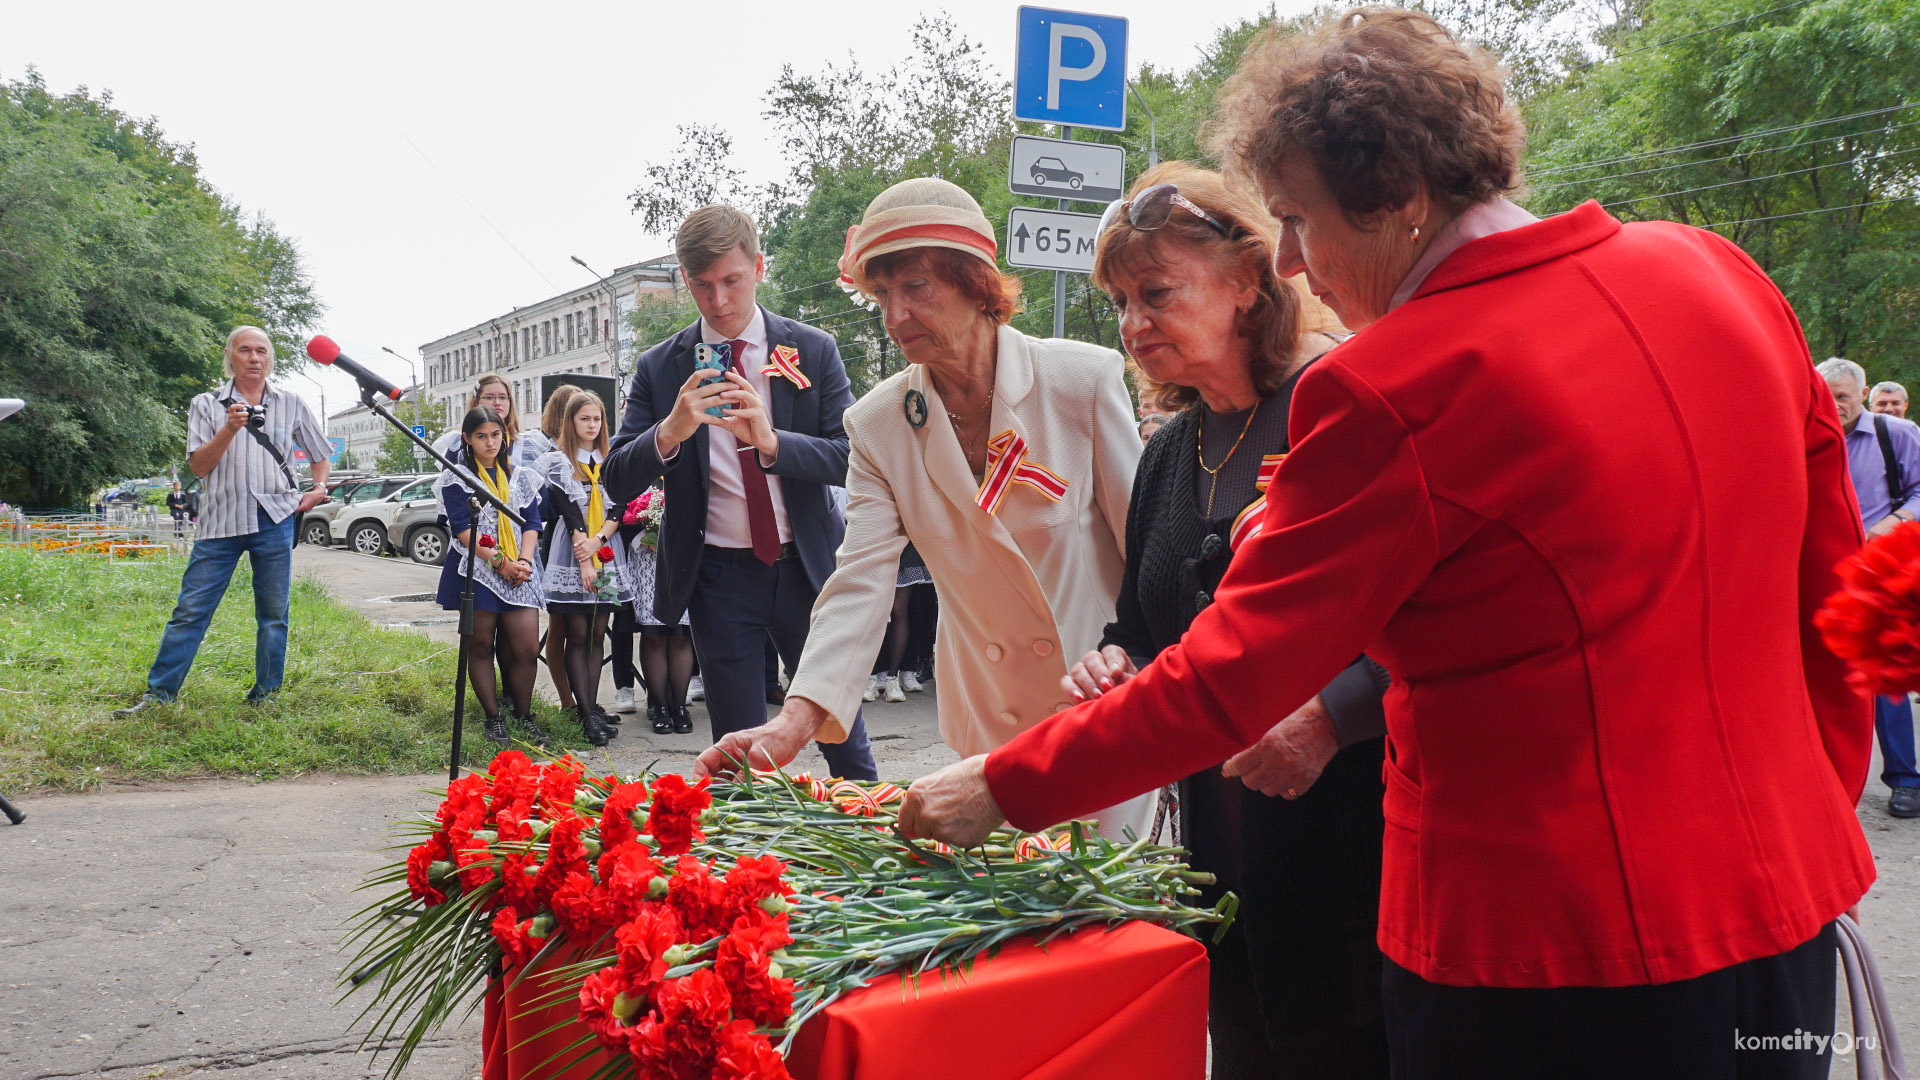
{"x": 1621, "y": 768}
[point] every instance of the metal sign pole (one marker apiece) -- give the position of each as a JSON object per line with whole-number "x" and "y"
{"x": 1059, "y": 276}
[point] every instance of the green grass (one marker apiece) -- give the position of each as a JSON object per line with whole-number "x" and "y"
{"x": 78, "y": 634}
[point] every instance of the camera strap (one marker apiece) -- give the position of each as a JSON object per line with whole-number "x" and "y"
{"x": 260, "y": 436}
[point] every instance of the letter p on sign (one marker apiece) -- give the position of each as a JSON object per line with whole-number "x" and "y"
{"x": 1056, "y": 71}
{"x": 1070, "y": 68}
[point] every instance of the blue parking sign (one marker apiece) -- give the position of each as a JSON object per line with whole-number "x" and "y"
{"x": 420, "y": 430}
{"x": 1070, "y": 68}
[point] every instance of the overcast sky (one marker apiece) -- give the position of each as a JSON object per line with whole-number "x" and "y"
{"x": 439, "y": 163}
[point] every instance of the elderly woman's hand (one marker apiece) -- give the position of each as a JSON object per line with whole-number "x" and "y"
{"x": 1098, "y": 672}
{"x": 1289, "y": 757}
{"x": 769, "y": 746}
{"x": 952, "y": 805}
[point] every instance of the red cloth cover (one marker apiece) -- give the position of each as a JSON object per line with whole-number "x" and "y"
{"x": 1121, "y": 1005}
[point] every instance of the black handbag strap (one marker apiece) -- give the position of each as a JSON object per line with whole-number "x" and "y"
{"x": 1896, "y": 484}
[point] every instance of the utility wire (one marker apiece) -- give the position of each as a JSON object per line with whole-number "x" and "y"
{"x": 1724, "y": 140}
{"x": 1758, "y": 179}
{"x": 477, "y": 211}
{"x": 1804, "y": 213}
{"x": 1710, "y": 29}
{"x": 1726, "y": 157}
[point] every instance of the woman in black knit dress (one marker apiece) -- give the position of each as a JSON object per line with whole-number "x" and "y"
{"x": 1187, "y": 261}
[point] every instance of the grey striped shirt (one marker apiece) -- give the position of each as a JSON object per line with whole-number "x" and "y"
{"x": 246, "y": 476}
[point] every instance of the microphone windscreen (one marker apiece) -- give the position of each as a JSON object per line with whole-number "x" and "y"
{"x": 323, "y": 349}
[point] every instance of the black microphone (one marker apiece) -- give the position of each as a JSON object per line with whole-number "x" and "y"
{"x": 325, "y": 350}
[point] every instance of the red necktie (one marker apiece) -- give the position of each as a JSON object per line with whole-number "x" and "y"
{"x": 766, "y": 533}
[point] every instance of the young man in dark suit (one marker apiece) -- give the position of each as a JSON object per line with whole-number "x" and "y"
{"x": 750, "y": 529}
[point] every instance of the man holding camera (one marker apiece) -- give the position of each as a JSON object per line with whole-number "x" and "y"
{"x": 239, "y": 440}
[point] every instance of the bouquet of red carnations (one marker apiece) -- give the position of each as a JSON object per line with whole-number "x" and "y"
{"x": 704, "y": 924}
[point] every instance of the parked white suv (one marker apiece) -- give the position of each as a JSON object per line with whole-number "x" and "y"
{"x": 362, "y": 526}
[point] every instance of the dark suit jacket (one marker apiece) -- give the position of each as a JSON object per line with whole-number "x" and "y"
{"x": 813, "y": 455}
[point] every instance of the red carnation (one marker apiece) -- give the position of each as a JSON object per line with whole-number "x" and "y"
{"x": 752, "y": 880}
{"x": 476, "y": 864}
{"x": 674, "y": 822}
{"x": 559, "y": 781}
{"x": 420, "y": 867}
{"x": 744, "y": 961}
{"x": 605, "y": 554}
{"x": 642, "y": 943}
{"x": 616, "y": 817}
{"x": 516, "y": 943}
{"x": 1873, "y": 622}
{"x": 565, "y": 854}
{"x": 485, "y": 541}
{"x": 581, "y": 907}
{"x": 627, "y": 877}
{"x": 695, "y": 1010}
{"x": 609, "y": 1002}
{"x": 699, "y": 897}
{"x": 745, "y": 1054}
{"x": 517, "y": 876}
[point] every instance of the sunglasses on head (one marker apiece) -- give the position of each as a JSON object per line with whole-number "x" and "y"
{"x": 1150, "y": 209}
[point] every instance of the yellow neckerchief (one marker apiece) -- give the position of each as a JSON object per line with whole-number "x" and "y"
{"x": 596, "y": 507}
{"x": 497, "y": 483}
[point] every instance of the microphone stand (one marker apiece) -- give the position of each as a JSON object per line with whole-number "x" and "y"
{"x": 477, "y": 496}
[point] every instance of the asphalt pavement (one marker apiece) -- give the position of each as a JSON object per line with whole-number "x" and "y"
{"x": 165, "y": 931}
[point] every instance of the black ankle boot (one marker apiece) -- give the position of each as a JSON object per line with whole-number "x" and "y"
{"x": 662, "y": 720}
{"x": 535, "y": 733}
{"x": 596, "y": 732}
{"x": 682, "y": 720}
{"x": 496, "y": 729}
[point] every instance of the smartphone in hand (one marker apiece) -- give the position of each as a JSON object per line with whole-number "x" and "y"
{"x": 717, "y": 359}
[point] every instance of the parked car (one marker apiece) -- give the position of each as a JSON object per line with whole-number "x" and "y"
{"x": 1051, "y": 170}
{"x": 318, "y": 527}
{"x": 362, "y": 524}
{"x": 337, "y": 487}
{"x": 419, "y": 530}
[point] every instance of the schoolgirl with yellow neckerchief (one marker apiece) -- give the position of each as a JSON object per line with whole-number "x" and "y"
{"x": 586, "y": 573}
{"x": 506, "y": 573}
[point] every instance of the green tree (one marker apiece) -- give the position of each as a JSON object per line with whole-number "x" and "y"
{"x": 397, "y": 452}
{"x": 120, "y": 272}
{"x": 1794, "y": 132}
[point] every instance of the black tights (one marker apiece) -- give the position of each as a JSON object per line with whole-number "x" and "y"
{"x": 666, "y": 663}
{"x": 518, "y": 634}
{"x": 586, "y": 634}
{"x": 894, "y": 648}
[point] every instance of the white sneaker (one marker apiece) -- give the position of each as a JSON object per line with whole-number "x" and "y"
{"x": 910, "y": 682}
{"x": 890, "y": 688}
{"x": 696, "y": 690}
{"x": 873, "y": 689}
{"x": 623, "y": 700}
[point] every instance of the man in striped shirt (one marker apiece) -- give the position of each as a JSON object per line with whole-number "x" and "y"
{"x": 247, "y": 506}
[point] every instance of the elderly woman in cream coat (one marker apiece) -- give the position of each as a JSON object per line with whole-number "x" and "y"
{"x": 1007, "y": 460}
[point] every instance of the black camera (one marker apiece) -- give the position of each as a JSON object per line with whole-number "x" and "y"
{"x": 256, "y": 414}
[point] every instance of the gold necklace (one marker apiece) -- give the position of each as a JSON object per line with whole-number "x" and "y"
{"x": 1200, "y": 450}
{"x": 958, "y": 419}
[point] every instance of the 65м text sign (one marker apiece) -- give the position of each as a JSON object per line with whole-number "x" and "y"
{"x": 1051, "y": 239}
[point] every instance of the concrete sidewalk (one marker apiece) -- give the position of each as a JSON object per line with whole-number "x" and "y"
{"x": 192, "y": 930}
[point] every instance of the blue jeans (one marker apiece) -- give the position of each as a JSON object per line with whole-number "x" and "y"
{"x": 1893, "y": 722}
{"x": 209, "y": 570}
